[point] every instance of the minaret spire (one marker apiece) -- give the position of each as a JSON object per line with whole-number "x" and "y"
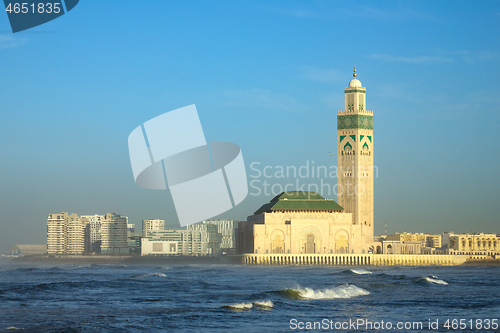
{"x": 354, "y": 74}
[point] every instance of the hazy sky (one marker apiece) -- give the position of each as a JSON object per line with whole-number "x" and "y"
{"x": 267, "y": 75}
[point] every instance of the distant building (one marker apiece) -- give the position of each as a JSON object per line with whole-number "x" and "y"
{"x": 28, "y": 250}
{"x": 222, "y": 235}
{"x": 149, "y": 225}
{"x": 425, "y": 240}
{"x": 434, "y": 241}
{"x": 187, "y": 242}
{"x": 400, "y": 247}
{"x": 65, "y": 234}
{"x": 474, "y": 244}
{"x": 156, "y": 247}
{"x": 114, "y": 234}
{"x": 56, "y": 233}
{"x": 93, "y": 233}
{"x": 75, "y": 234}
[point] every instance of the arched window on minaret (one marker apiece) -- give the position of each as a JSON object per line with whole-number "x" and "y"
{"x": 348, "y": 149}
{"x": 365, "y": 150}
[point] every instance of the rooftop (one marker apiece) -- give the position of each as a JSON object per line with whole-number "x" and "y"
{"x": 299, "y": 200}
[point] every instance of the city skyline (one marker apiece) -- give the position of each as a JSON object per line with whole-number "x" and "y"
{"x": 269, "y": 77}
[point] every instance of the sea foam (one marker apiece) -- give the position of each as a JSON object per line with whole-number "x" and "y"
{"x": 433, "y": 279}
{"x": 239, "y": 306}
{"x": 145, "y": 275}
{"x": 343, "y": 291}
{"x": 360, "y": 271}
{"x": 264, "y": 304}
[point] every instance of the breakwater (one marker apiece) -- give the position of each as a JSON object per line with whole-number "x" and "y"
{"x": 353, "y": 259}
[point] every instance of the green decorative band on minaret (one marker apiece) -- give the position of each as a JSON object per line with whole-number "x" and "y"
{"x": 355, "y": 121}
{"x": 353, "y": 91}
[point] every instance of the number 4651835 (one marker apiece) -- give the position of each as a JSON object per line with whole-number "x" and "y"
{"x": 41, "y": 8}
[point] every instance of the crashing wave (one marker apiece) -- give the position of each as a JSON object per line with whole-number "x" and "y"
{"x": 433, "y": 279}
{"x": 343, "y": 291}
{"x": 360, "y": 271}
{"x": 239, "y": 306}
{"x": 264, "y": 304}
{"x": 145, "y": 275}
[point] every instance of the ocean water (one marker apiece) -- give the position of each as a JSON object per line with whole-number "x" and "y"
{"x": 237, "y": 298}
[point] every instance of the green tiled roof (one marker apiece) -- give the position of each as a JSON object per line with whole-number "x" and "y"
{"x": 299, "y": 200}
{"x": 300, "y": 195}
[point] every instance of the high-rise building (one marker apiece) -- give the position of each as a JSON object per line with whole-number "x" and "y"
{"x": 93, "y": 233}
{"x": 355, "y": 158}
{"x": 56, "y": 233}
{"x": 65, "y": 234}
{"x": 148, "y": 225}
{"x": 221, "y": 235}
{"x": 114, "y": 234}
{"x": 75, "y": 234}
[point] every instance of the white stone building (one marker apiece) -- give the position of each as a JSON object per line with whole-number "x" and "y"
{"x": 189, "y": 243}
{"x": 149, "y": 225}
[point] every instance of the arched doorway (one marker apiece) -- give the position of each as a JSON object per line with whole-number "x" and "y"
{"x": 310, "y": 246}
{"x": 389, "y": 249}
{"x": 277, "y": 244}
{"x": 379, "y": 250}
{"x": 341, "y": 244}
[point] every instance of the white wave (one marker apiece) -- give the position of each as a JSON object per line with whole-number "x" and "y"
{"x": 343, "y": 291}
{"x": 13, "y": 328}
{"x": 149, "y": 275}
{"x": 165, "y": 267}
{"x": 240, "y": 306}
{"x": 434, "y": 279}
{"x": 360, "y": 271}
{"x": 264, "y": 304}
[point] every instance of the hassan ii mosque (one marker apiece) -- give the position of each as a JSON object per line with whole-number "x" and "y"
{"x": 305, "y": 222}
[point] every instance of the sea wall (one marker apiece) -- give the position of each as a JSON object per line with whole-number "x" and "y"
{"x": 352, "y": 259}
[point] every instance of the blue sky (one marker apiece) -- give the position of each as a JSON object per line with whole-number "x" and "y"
{"x": 268, "y": 76}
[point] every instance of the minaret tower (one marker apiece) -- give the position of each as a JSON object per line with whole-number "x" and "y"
{"x": 355, "y": 158}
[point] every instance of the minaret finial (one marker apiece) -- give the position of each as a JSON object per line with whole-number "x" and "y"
{"x": 354, "y": 74}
